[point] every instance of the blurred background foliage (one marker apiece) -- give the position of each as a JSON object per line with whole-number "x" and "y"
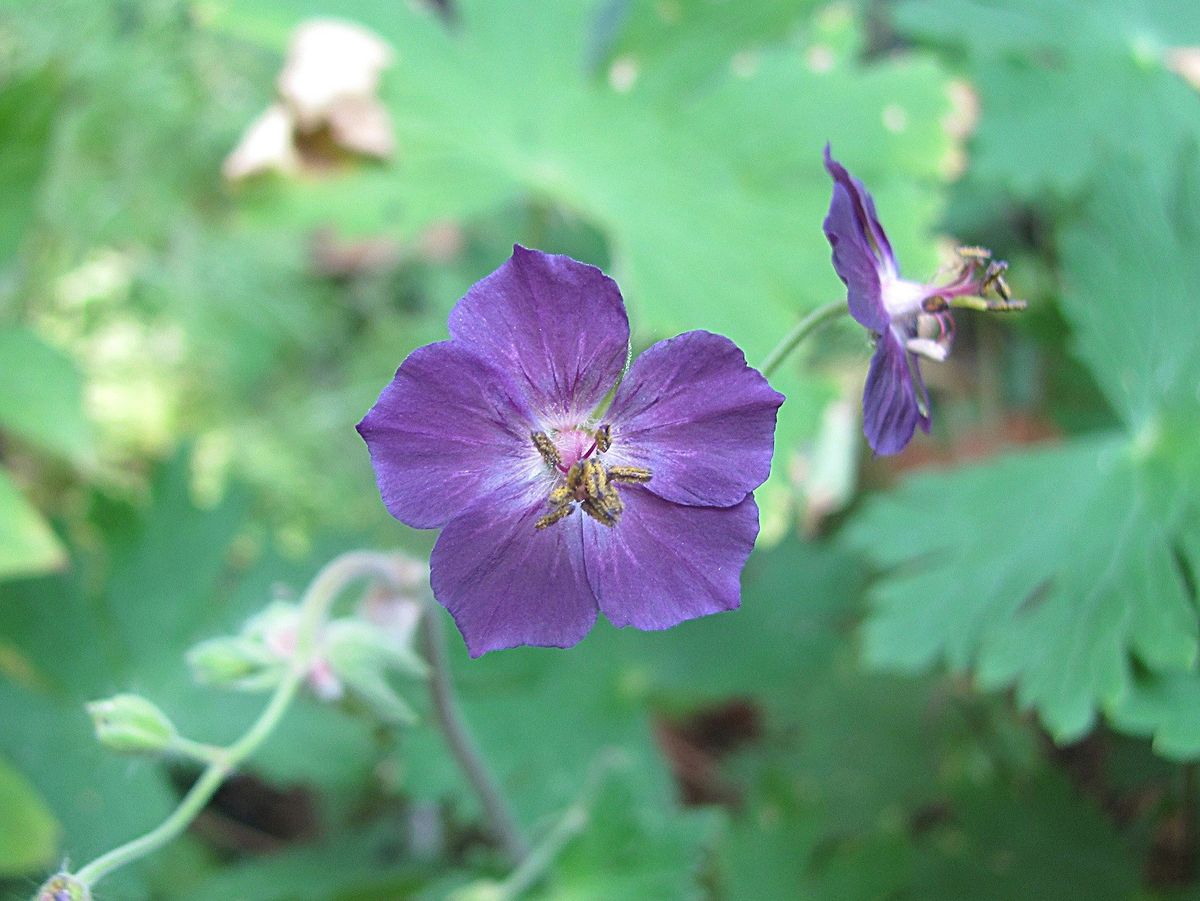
{"x": 969, "y": 671}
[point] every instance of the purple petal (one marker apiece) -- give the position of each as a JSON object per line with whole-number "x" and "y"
{"x": 890, "y": 412}
{"x": 557, "y": 324}
{"x": 664, "y": 563}
{"x": 703, "y": 422}
{"x": 860, "y": 247}
{"x": 507, "y": 583}
{"x": 448, "y": 429}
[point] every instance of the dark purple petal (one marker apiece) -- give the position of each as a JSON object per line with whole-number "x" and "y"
{"x": 448, "y": 428}
{"x": 558, "y": 325}
{"x": 890, "y": 412}
{"x": 703, "y": 422}
{"x": 860, "y": 247}
{"x": 664, "y": 563}
{"x": 507, "y": 583}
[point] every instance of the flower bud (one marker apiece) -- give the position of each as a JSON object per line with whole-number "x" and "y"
{"x": 237, "y": 662}
{"x": 131, "y": 724}
{"x": 360, "y": 655}
{"x": 63, "y": 887}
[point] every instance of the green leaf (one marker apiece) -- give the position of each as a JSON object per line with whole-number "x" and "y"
{"x": 1034, "y": 839}
{"x": 27, "y": 107}
{"x": 1132, "y": 263}
{"x": 633, "y": 847}
{"x": 41, "y": 396}
{"x": 28, "y": 830}
{"x": 27, "y": 544}
{"x": 711, "y": 203}
{"x": 166, "y": 569}
{"x": 1054, "y": 75}
{"x": 1167, "y": 707}
{"x": 1047, "y": 570}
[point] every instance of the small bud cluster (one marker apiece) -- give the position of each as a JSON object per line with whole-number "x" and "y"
{"x": 350, "y": 655}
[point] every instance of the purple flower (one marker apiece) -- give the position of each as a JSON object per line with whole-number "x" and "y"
{"x": 551, "y": 506}
{"x": 909, "y": 319}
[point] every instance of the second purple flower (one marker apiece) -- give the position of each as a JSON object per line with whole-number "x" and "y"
{"x": 552, "y": 506}
{"x": 909, "y": 319}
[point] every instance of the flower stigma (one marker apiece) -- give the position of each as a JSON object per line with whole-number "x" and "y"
{"x": 587, "y": 481}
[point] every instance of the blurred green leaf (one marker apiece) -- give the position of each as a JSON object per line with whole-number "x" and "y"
{"x": 1132, "y": 263}
{"x": 1055, "y": 74}
{"x": 1033, "y": 840}
{"x": 27, "y": 107}
{"x": 166, "y": 569}
{"x": 28, "y": 830}
{"x": 694, "y": 195}
{"x": 27, "y": 543}
{"x": 41, "y": 396}
{"x": 633, "y": 847}
{"x": 1165, "y": 706}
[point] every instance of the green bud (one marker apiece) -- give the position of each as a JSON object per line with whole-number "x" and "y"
{"x": 238, "y": 662}
{"x": 63, "y": 887}
{"x": 131, "y": 724}
{"x": 361, "y": 656}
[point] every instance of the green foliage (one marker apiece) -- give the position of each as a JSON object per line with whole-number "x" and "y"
{"x": 1052, "y": 74}
{"x": 41, "y": 396}
{"x": 27, "y": 544}
{"x": 28, "y": 831}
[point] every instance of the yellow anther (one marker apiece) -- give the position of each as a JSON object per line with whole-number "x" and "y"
{"x": 552, "y": 517}
{"x": 970, "y": 252}
{"x": 547, "y": 449}
{"x": 630, "y": 475}
{"x": 603, "y": 438}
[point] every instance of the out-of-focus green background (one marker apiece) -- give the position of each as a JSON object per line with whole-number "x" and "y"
{"x": 966, "y": 672}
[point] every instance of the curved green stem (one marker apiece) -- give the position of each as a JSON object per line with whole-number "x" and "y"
{"x": 445, "y": 706}
{"x": 572, "y": 822}
{"x": 803, "y": 329}
{"x": 200, "y": 793}
{"x": 322, "y": 592}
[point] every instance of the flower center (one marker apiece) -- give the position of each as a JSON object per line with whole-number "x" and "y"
{"x": 586, "y": 480}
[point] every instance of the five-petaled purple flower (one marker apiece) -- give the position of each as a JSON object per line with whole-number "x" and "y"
{"x": 553, "y": 507}
{"x": 909, "y": 319}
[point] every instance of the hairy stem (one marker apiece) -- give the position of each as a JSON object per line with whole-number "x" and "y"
{"x": 445, "y": 705}
{"x": 802, "y": 330}
{"x": 314, "y": 608}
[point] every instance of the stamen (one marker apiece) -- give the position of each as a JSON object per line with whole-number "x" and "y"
{"x": 551, "y": 518}
{"x": 593, "y": 486}
{"x": 629, "y": 475}
{"x": 546, "y": 448}
{"x": 595, "y": 479}
{"x": 986, "y": 305}
{"x": 994, "y": 278}
{"x": 603, "y": 438}
{"x": 973, "y": 252}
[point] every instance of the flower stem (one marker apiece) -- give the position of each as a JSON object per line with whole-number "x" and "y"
{"x": 445, "y": 705}
{"x": 573, "y": 821}
{"x": 199, "y": 794}
{"x": 803, "y": 329}
{"x": 321, "y": 593}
